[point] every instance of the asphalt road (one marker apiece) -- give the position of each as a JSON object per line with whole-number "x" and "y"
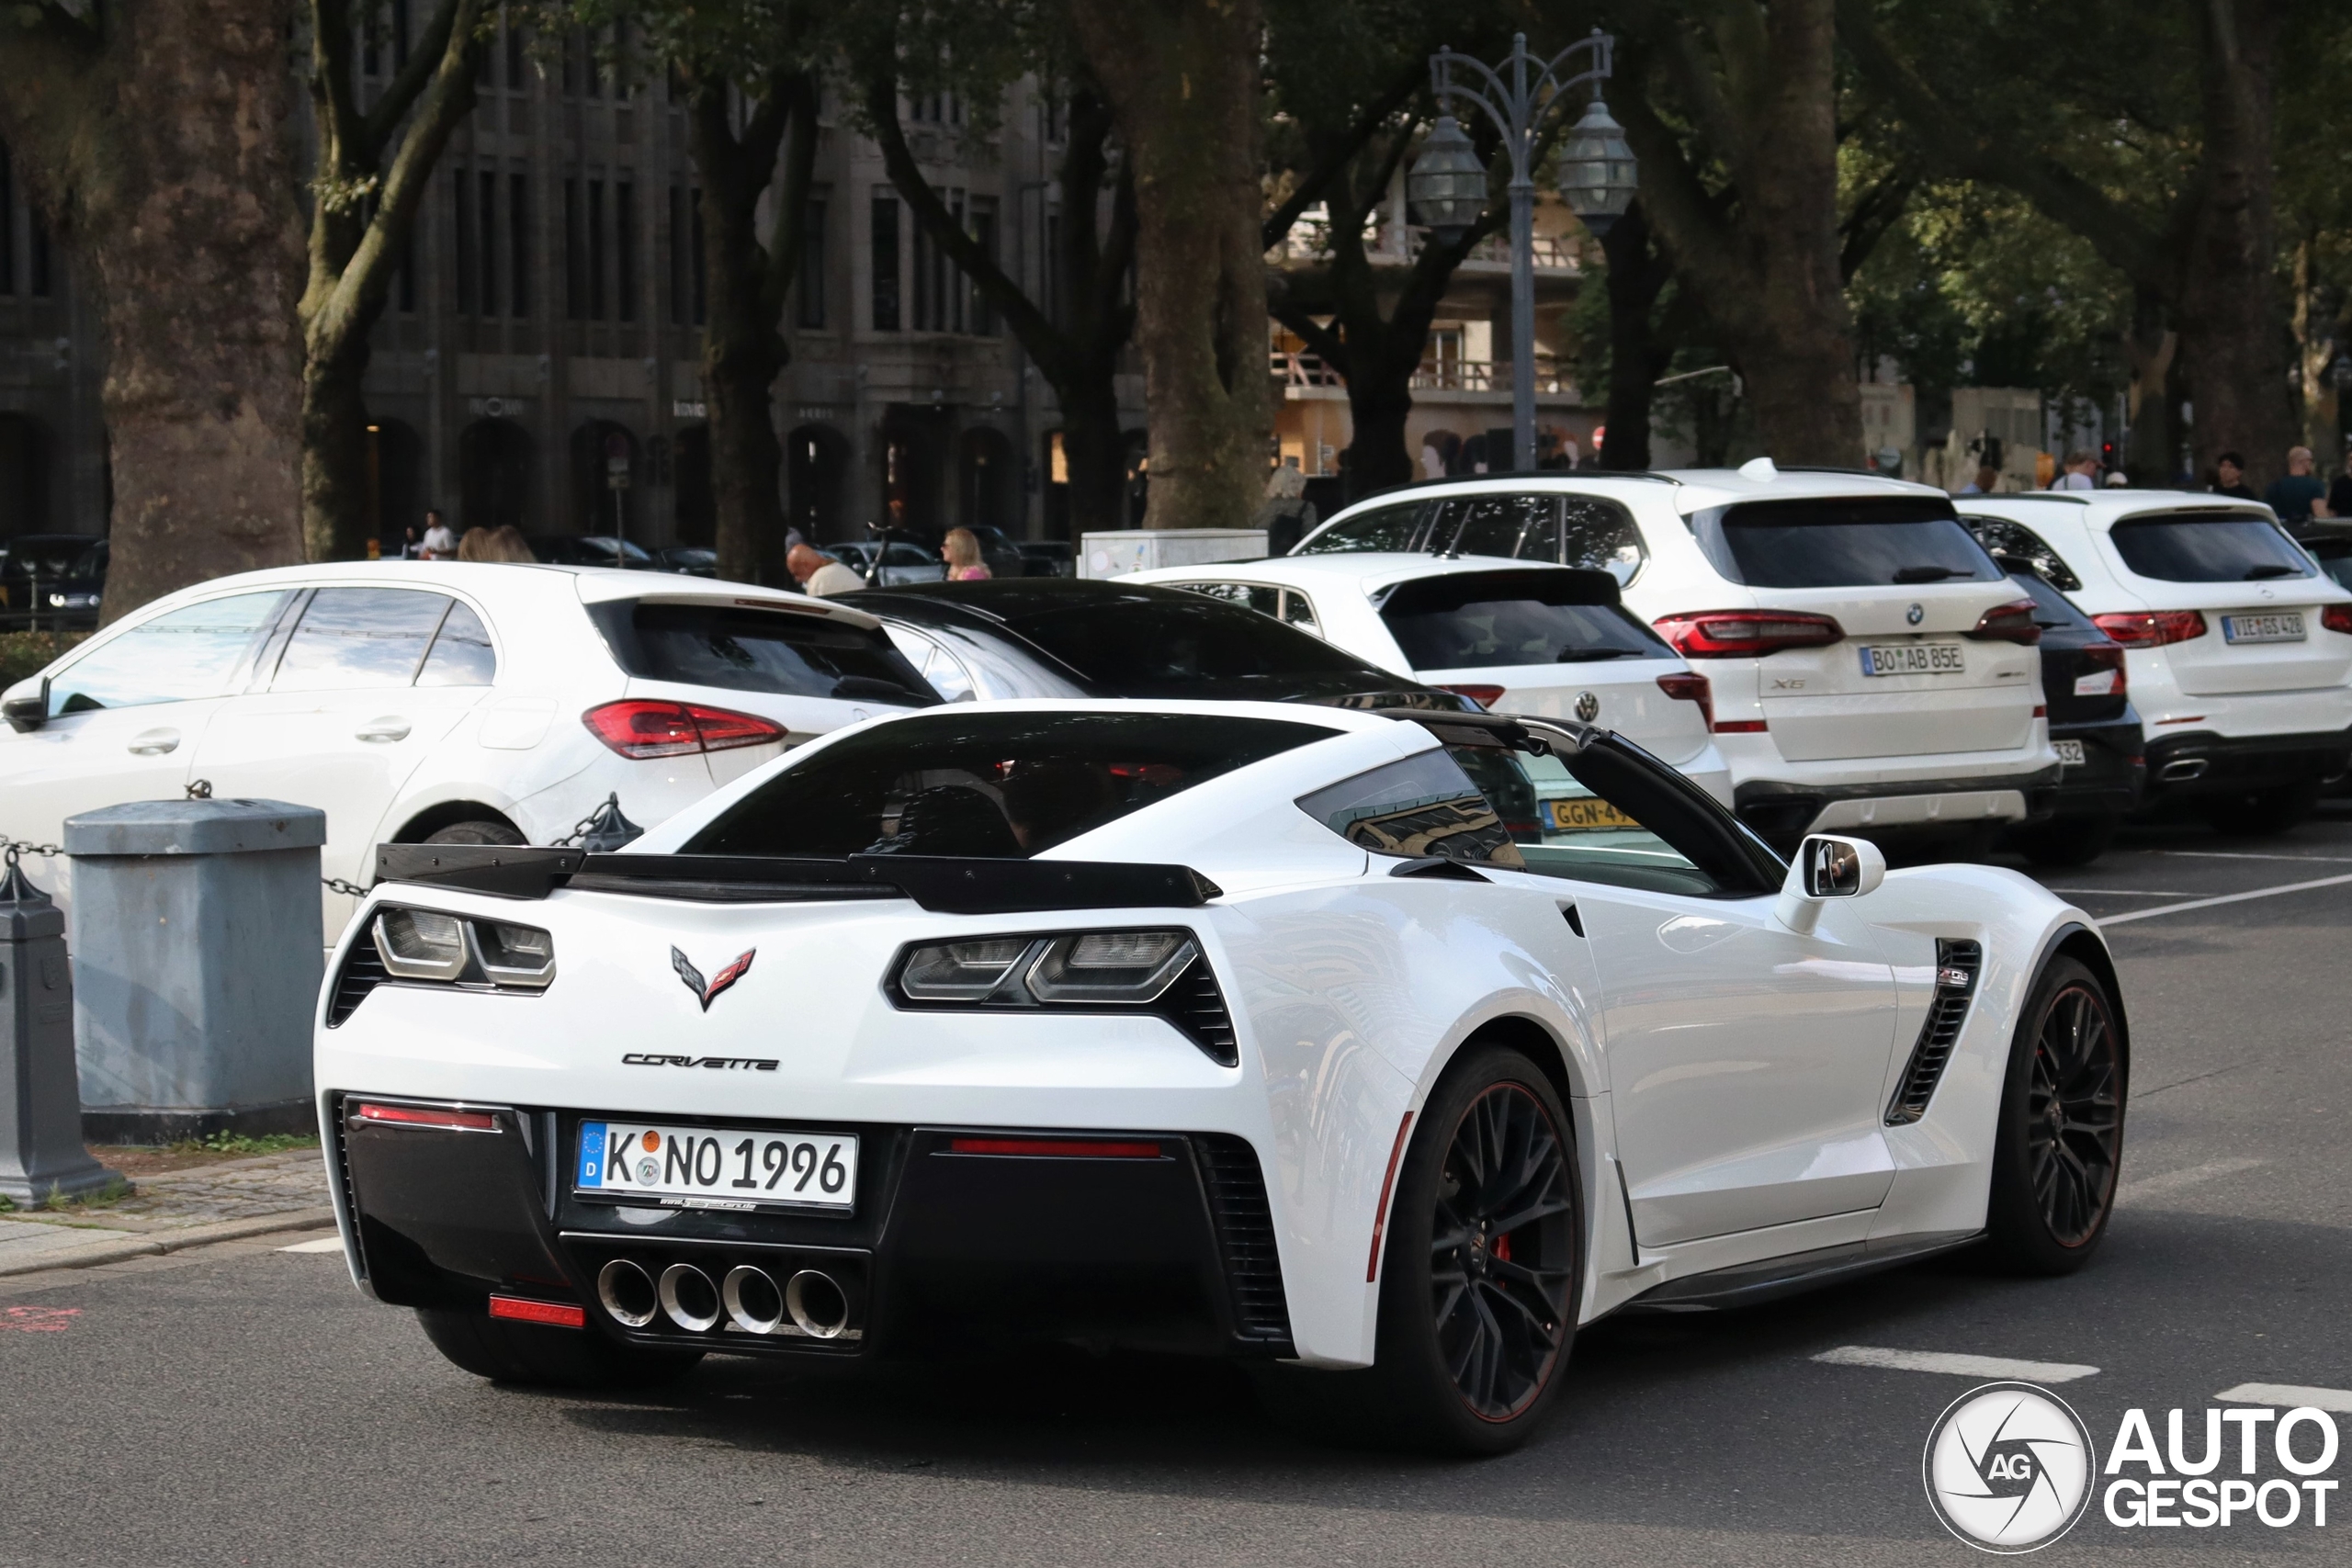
{"x": 242, "y": 1404}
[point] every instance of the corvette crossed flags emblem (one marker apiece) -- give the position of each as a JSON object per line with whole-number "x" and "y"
{"x": 708, "y": 991}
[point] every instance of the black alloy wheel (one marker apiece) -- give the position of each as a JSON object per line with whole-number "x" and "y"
{"x": 2059, "y": 1148}
{"x": 1500, "y": 1251}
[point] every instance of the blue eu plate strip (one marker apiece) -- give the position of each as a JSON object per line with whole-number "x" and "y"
{"x": 592, "y": 1137}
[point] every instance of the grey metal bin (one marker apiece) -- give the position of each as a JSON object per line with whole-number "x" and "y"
{"x": 197, "y": 960}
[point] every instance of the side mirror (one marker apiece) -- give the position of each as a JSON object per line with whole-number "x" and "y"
{"x": 1827, "y": 866}
{"x": 25, "y": 708}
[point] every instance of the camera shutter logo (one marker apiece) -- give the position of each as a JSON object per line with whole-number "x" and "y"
{"x": 2008, "y": 1468}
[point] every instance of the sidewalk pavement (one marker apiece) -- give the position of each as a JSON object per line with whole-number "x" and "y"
{"x": 182, "y": 1208}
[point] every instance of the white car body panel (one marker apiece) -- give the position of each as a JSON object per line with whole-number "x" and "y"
{"x": 377, "y": 759}
{"x": 1736, "y": 1071}
{"x": 1824, "y": 725}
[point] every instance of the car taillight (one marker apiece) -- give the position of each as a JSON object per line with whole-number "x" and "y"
{"x": 639, "y": 728}
{"x": 2337, "y": 617}
{"x": 1689, "y": 687}
{"x": 2012, "y": 622}
{"x": 2108, "y": 656}
{"x": 446, "y": 1119}
{"x": 1745, "y": 634}
{"x": 1485, "y": 697}
{"x": 2152, "y": 628}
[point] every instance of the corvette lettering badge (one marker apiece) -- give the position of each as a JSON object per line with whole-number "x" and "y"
{"x": 708, "y": 992}
{"x": 657, "y": 1059}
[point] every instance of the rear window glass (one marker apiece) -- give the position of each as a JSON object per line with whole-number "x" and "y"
{"x": 1395, "y": 527}
{"x": 999, "y": 785}
{"x": 1843, "y": 544}
{"x": 1520, "y": 617}
{"x": 2013, "y": 544}
{"x": 1171, "y": 644}
{"x": 2186, "y": 548}
{"x": 741, "y": 650}
{"x": 2050, "y": 608}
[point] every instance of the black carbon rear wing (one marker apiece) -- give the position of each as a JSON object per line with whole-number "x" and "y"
{"x": 944, "y": 884}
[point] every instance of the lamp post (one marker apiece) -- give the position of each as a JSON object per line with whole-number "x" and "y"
{"x": 1446, "y": 190}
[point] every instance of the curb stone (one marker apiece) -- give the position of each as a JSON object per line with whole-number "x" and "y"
{"x": 117, "y": 1251}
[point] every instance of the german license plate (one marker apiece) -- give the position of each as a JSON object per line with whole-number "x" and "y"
{"x": 2069, "y": 752}
{"x": 2281, "y": 626}
{"x": 1912, "y": 659}
{"x": 718, "y": 1168}
{"x": 1585, "y": 814}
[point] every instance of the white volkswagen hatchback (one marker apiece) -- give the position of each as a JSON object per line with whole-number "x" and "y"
{"x": 439, "y": 702}
{"x": 2238, "y": 647}
{"x": 1872, "y": 668}
{"x": 1547, "y": 640}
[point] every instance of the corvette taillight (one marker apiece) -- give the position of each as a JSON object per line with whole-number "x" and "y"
{"x": 2012, "y": 622}
{"x": 639, "y": 728}
{"x": 1691, "y": 687}
{"x": 1745, "y": 634}
{"x": 2152, "y": 628}
{"x": 446, "y": 1119}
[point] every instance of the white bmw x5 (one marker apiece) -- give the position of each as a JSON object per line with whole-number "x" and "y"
{"x": 1872, "y": 668}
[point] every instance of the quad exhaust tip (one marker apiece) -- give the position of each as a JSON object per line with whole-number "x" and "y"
{"x": 689, "y": 1298}
{"x": 753, "y": 1304}
{"x": 627, "y": 1293}
{"x": 819, "y": 1307}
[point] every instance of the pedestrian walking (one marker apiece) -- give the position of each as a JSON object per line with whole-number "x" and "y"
{"x": 2298, "y": 495}
{"x": 2229, "y": 478}
{"x": 2339, "y": 491}
{"x": 2081, "y": 472}
{"x": 1987, "y": 480}
{"x": 409, "y": 548}
{"x": 440, "y": 541}
{"x": 962, "y": 551}
{"x": 820, "y": 574}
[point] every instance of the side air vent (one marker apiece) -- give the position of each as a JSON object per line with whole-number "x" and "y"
{"x": 1957, "y": 963}
{"x": 363, "y": 971}
{"x": 1195, "y": 1005}
{"x": 333, "y": 1130}
{"x": 1245, "y": 1230}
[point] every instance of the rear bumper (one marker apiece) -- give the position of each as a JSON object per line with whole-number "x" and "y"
{"x": 1786, "y": 811}
{"x": 2114, "y": 771}
{"x": 1174, "y": 1251}
{"x": 2204, "y": 763}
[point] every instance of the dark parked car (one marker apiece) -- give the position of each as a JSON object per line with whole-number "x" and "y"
{"x": 1066, "y": 638}
{"x": 53, "y": 581}
{"x": 2093, "y": 724}
{"x": 1046, "y": 558}
{"x": 590, "y": 550}
{"x": 689, "y": 561}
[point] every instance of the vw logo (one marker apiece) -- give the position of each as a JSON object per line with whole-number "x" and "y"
{"x": 2008, "y": 1468}
{"x": 1916, "y": 614}
{"x": 1588, "y": 707}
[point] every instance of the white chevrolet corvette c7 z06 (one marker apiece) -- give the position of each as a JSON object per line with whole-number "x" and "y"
{"x": 1382, "y": 1048}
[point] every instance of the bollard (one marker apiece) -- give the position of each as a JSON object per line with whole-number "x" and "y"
{"x": 41, "y": 1154}
{"x": 196, "y": 950}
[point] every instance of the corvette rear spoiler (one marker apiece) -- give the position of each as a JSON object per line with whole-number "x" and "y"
{"x": 944, "y": 884}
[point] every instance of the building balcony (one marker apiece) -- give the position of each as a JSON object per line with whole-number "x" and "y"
{"x": 1304, "y": 377}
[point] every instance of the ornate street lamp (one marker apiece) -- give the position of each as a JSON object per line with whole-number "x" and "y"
{"x": 1446, "y": 190}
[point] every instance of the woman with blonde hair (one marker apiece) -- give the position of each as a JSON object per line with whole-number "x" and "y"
{"x": 504, "y": 542}
{"x": 962, "y": 549}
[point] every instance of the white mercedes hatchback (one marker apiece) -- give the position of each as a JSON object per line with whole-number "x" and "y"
{"x": 1546, "y": 640}
{"x": 439, "y": 702}
{"x": 1871, "y": 667}
{"x": 2237, "y": 646}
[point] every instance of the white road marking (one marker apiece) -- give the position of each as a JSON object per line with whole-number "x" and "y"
{"x": 324, "y": 1244}
{"x": 2251, "y": 855}
{"x": 2289, "y": 1395}
{"x": 2225, "y": 898}
{"x": 2174, "y": 1180}
{"x": 1955, "y": 1365}
{"x": 2125, "y": 892}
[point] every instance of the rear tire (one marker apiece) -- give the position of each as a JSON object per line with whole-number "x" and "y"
{"x": 2262, "y": 813}
{"x": 2058, "y": 1145}
{"x": 482, "y": 833}
{"x": 2066, "y": 841}
{"x": 1479, "y": 1275}
{"x": 535, "y": 1355}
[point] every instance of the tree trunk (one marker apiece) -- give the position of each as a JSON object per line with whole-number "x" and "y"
{"x": 356, "y": 244}
{"x": 746, "y": 283}
{"x": 1182, "y": 78}
{"x": 156, "y": 139}
{"x": 2153, "y": 407}
{"x": 1638, "y": 275}
{"x": 1763, "y": 257}
{"x": 1095, "y": 450}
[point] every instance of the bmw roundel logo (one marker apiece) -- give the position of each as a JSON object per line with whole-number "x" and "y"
{"x": 1916, "y": 614}
{"x": 1588, "y": 707}
{"x": 2010, "y": 1468}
